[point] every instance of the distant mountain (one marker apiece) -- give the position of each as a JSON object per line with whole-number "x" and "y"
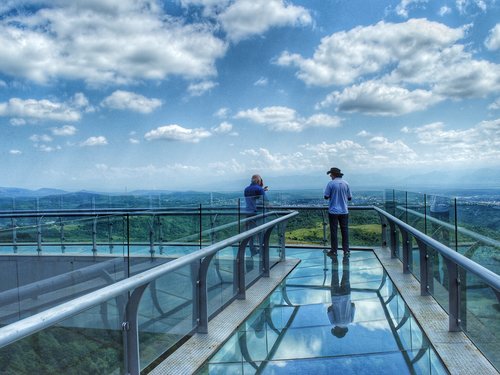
{"x": 419, "y": 181}
{"x": 19, "y": 192}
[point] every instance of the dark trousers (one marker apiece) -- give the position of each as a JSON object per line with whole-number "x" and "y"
{"x": 335, "y": 221}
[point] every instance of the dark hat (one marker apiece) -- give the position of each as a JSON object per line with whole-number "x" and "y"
{"x": 335, "y": 172}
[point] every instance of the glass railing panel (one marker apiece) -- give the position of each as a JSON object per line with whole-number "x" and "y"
{"x": 401, "y": 203}
{"x": 389, "y": 201}
{"x": 414, "y": 258}
{"x": 275, "y": 242}
{"x": 308, "y": 227}
{"x": 441, "y": 219}
{"x": 53, "y": 262}
{"x": 181, "y": 232}
{"x": 439, "y": 278}
{"x": 479, "y": 232}
{"x": 415, "y": 211}
{"x": 398, "y": 246}
{"x": 220, "y": 220}
{"x": 221, "y": 278}
{"x": 166, "y": 313}
{"x": 364, "y": 228}
{"x": 88, "y": 343}
{"x": 481, "y": 315}
{"x": 31, "y": 284}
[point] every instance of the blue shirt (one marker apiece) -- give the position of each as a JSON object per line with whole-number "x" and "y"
{"x": 253, "y": 192}
{"x": 339, "y": 193}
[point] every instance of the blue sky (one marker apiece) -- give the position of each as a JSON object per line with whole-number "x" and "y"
{"x": 120, "y": 94}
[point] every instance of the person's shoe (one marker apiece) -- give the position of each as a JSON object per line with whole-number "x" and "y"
{"x": 331, "y": 253}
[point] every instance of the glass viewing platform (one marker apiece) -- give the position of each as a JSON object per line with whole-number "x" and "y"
{"x": 122, "y": 289}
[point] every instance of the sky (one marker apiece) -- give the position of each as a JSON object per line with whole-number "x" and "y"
{"x": 117, "y": 95}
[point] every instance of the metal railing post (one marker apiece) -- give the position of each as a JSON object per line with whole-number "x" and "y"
{"x": 383, "y": 223}
{"x": 393, "y": 239}
{"x": 61, "y": 225}
{"x": 406, "y": 250}
{"x": 130, "y": 326}
{"x": 94, "y": 235}
{"x": 203, "y": 294}
{"x": 152, "y": 237}
{"x": 424, "y": 268}
{"x": 39, "y": 235}
{"x": 201, "y": 228}
{"x": 265, "y": 253}
{"x": 159, "y": 226}
{"x": 14, "y": 235}
{"x": 240, "y": 270}
{"x": 282, "y": 240}
{"x": 325, "y": 224}
{"x": 453, "y": 296}
{"x": 110, "y": 235}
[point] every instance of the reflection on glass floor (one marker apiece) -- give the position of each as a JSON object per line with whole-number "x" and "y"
{"x": 352, "y": 323}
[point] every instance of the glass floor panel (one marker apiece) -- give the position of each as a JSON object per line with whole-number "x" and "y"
{"x": 330, "y": 315}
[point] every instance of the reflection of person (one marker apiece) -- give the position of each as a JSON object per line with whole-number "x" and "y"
{"x": 254, "y": 193}
{"x": 338, "y": 193}
{"x": 341, "y": 312}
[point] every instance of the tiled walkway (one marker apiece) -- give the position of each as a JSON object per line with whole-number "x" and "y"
{"x": 353, "y": 323}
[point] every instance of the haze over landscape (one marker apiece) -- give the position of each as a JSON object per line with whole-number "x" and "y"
{"x": 118, "y": 95}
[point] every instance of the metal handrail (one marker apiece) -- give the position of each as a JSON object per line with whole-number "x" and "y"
{"x": 467, "y": 232}
{"x": 489, "y": 277}
{"x": 28, "y": 326}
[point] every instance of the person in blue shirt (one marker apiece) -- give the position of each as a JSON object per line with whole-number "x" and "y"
{"x": 255, "y": 192}
{"x": 338, "y": 193}
{"x": 255, "y": 195}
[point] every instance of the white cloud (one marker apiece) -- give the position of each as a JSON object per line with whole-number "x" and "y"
{"x": 95, "y": 141}
{"x": 177, "y": 133}
{"x": 363, "y": 133}
{"x": 243, "y": 18}
{"x": 493, "y": 40}
{"x": 263, "y": 159}
{"x": 198, "y": 89}
{"x": 398, "y": 148}
{"x": 40, "y": 110}
{"x": 134, "y": 141}
{"x": 223, "y": 128}
{"x": 376, "y": 98}
{"x": 66, "y": 130}
{"x": 402, "y": 7}
{"x": 46, "y": 148}
{"x": 444, "y": 10}
{"x": 418, "y": 59}
{"x": 495, "y": 105}
{"x": 262, "y": 81}
{"x": 111, "y": 173}
{"x": 343, "y": 57}
{"x": 227, "y": 167}
{"x": 279, "y": 118}
{"x": 40, "y": 138}
{"x": 17, "y": 121}
{"x": 478, "y": 143}
{"x": 473, "y": 6}
{"x": 128, "y": 100}
{"x": 222, "y": 112}
{"x": 99, "y": 42}
{"x": 3, "y": 84}
{"x": 15, "y": 152}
